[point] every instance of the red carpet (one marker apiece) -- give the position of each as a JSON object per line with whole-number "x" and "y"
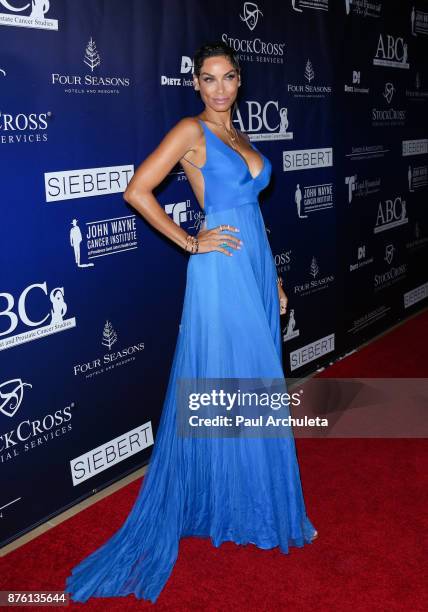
{"x": 367, "y": 499}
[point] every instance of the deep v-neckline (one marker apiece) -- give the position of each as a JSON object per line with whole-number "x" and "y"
{"x": 238, "y": 153}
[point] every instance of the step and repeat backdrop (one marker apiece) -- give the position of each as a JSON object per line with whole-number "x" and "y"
{"x": 334, "y": 93}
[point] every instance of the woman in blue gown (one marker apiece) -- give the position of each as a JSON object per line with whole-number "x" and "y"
{"x": 239, "y": 488}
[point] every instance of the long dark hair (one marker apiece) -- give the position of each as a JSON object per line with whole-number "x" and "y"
{"x": 212, "y": 49}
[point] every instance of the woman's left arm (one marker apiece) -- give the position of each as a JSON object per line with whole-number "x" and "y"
{"x": 283, "y": 299}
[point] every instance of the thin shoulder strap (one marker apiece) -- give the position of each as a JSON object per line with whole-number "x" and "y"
{"x": 188, "y": 160}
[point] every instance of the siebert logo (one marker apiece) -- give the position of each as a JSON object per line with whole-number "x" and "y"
{"x": 11, "y": 394}
{"x": 36, "y": 18}
{"x": 39, "y": 293}
{"x": 391, "y": 52}
{"x": 251, "y": 14}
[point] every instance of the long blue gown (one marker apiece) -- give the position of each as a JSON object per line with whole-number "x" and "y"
{"x": 243, "y": 489}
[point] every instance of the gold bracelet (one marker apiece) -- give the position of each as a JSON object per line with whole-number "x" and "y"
{"x": 194, "y": 244}
{"x": 189, "y": 239}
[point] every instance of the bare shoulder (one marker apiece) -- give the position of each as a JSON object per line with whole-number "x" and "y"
{"x": 181, "y": 138}
{"x": 188, "y": 128}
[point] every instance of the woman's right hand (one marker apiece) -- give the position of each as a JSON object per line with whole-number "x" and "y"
{"x": 212, "y": 239}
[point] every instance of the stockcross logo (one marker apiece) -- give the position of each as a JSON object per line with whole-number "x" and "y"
{"x": 18, "y": 128}
{"x": 388, "y": 92}
{"x": 35, "y": 18}
{"x": 389, "y": 253}
{"x": 388, "y": 116}
{"x": 11, "y": 395}
{"x": 251, "y": 14}
{"x": 250, "y": 46}
{"x": 394, "y": 274}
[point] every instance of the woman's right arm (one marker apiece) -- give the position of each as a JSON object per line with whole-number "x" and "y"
{"x": 153, "y": 170}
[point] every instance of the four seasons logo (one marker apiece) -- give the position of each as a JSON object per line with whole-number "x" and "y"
{"x": 92, "y": 57}
{"x": 90, "y": 83}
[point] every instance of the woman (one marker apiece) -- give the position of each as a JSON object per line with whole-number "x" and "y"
{"x": 226, "y": 487}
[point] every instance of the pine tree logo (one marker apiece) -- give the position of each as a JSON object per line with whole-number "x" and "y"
{"x": 309, "y": 71}
{"x": 314, "y": 267}
{"x": 92, "y": 57}
{"x": 109, "y": 335}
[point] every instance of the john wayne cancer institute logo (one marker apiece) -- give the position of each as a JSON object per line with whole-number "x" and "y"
{"x": 28, "y": 15}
